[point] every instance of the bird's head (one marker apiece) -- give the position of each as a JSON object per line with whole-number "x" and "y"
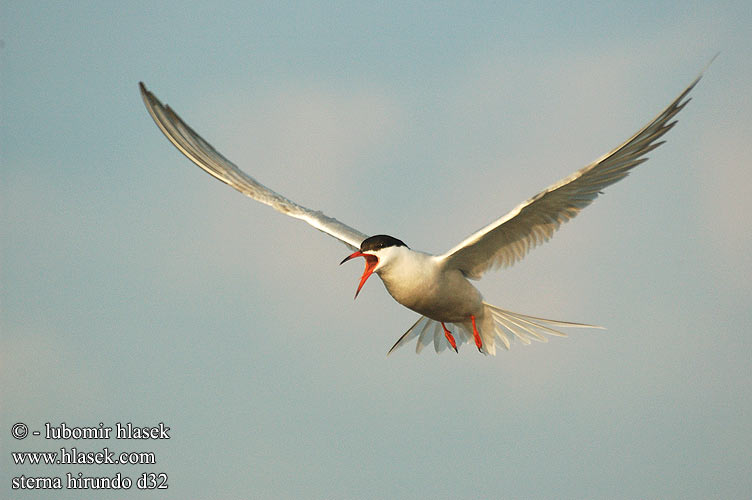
{"x": 377, "y": 251}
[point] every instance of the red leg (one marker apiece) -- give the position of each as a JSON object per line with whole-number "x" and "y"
{"x": 476, "y": 335}
{"x": 449, "y": 337}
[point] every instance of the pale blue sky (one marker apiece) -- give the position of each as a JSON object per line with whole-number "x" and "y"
{"x": 136, "y": 288}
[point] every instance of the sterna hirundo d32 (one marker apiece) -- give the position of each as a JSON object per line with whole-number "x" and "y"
{"x": 438, "y": 287}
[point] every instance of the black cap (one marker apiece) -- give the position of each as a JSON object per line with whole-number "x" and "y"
{"x": 380, "y": 241}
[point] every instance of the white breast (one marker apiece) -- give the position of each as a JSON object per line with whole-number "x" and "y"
{"x": 419, "y": 282}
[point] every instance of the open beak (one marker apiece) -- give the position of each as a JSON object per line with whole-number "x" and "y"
{"x": 371, "y": 262}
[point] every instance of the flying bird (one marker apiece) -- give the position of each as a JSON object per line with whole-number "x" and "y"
{"x": 438, "y": 287}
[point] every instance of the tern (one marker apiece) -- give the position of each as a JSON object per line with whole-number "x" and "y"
{"x": 438, "y": 287}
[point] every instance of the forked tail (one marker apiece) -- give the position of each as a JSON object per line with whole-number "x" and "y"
{"x": 500, "y": 327}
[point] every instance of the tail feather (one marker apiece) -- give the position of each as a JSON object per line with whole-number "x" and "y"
{"x": 565, "y": 324}
{"x": 425, "y": 337}
{"x": 410, "y": 334}
{"x": 439, "y": 340}
{"x": 500, "y": 335}
{"x": 515, "y": 329}
{"x": 506, "y": 325}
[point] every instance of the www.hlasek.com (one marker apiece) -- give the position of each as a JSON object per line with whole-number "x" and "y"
{"x": 102, "y": 456}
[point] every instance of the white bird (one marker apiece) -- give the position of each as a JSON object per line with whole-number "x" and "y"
{"x": 437, "y": 286}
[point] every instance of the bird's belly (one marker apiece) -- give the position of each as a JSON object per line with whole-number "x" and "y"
{"x": 452, "y": 299}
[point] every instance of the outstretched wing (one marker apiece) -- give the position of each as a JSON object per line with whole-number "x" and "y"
{"x": 205, "y": 156}
{"x": 508, "y": 239}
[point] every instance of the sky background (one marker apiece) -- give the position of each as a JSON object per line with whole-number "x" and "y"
{"x": 135, "y": 288}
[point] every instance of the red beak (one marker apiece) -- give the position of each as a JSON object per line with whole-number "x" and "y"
{"x": 371, "y": 262}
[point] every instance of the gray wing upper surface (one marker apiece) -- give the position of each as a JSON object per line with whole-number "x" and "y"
{"x": 508, "y": 239}
{"x": 209, "y": 159}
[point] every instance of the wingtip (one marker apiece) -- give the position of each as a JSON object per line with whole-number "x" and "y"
{"x": 711, "y": 60}
{"x": 702, "y": 72}
{"x": 146, "y": 96}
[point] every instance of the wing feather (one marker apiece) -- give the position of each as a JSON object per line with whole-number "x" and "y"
{"x": 209, "y": 159}
{"x": 510, "y": 238}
